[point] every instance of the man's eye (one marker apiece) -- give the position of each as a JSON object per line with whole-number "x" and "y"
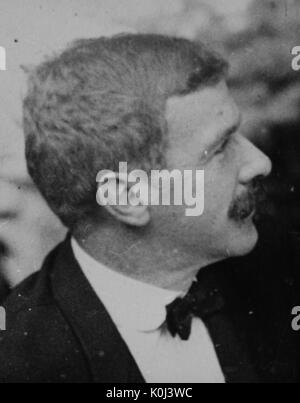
{"x": 223, "y": 146}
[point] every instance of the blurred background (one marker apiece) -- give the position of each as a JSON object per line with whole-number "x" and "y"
{"x": 256, "y": 36}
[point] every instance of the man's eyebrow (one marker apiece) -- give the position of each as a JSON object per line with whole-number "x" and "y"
{"x": 225, "y": 135}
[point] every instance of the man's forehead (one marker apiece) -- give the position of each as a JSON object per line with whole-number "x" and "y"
{"x": 208, "y": 105}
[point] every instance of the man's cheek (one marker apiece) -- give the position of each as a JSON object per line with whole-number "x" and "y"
{"x": 217, "y": 199}
{"x": 9, "y": 199}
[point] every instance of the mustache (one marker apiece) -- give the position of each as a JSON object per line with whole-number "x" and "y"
{"x": 250, "y": 201}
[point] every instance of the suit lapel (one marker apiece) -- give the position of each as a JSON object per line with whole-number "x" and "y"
{"x": 108, "y": 356}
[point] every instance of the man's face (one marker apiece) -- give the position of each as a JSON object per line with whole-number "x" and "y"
{"x": 204, "y": 135}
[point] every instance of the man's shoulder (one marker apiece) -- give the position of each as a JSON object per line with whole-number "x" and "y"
{"x": 36, "y": 291}
{"x": 33, "y": 292}
{"x": 38, "y": 344}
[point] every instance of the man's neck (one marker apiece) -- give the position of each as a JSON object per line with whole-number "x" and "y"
{"x": 138, "y": 255}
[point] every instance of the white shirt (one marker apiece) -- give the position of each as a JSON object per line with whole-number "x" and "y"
{"x": 138, "y": 311}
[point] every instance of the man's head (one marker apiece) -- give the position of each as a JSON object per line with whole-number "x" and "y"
{"x": 155, "y": 102}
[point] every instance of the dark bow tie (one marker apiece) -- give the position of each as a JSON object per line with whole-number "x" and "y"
{"x": 199, "y": 302}
{"x": 206, "y": 300}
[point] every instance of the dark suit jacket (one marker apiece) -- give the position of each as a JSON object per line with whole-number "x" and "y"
{"x": 59, "y": 331}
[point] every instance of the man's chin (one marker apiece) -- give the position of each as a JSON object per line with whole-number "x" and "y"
{"x": 245, "y": 239}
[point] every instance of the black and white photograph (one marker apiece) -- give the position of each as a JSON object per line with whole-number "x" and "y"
{"x": 149, "y": 194}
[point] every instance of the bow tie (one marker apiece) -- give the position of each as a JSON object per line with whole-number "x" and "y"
{"x": 205, "y": 300}
{"x": 199, "y": 302}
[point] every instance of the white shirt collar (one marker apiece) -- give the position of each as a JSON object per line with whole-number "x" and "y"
{"x": 130, "y": 303}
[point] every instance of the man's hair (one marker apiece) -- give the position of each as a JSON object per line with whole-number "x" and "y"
{"x": 103, "y": 101}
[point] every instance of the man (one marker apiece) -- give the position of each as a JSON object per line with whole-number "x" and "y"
{"x": 28, "y": 229}
{"x": 118, "y": 301}
{"x": 26, "y": 236}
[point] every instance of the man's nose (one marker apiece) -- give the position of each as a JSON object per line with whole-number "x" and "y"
{"x": 255, "y": 162}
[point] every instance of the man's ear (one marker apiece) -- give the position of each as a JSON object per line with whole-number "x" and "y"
{"x": 121, "y": 201}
